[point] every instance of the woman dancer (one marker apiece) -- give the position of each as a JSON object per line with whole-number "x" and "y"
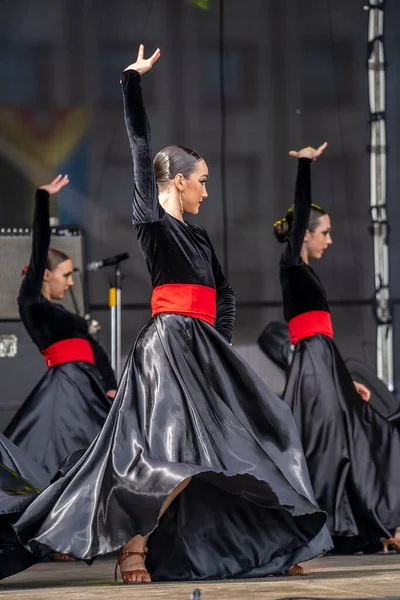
{"x": 350, "y": 450}
{"x": 68, "y": 407}
{"x": 191, "y": 421}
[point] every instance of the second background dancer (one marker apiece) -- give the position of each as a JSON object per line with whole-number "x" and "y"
{"x": 69, "y": 405}
{"x": 351, "y": 451}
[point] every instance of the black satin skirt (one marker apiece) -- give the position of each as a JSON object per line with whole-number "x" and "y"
{"x": 64, "y": 413}
{"x": 187, "y": 407}
{"x": 21, "y": 480}
{"x": 351, "y": 451}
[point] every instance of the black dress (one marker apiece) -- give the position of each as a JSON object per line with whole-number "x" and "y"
{"x": 351, "y": 451}
{"x": 68, "y": 406}
{"x": 187, "y": 406}
{"x": 21, "y": 480}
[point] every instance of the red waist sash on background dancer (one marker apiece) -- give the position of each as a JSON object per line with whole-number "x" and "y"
{"x": 309, "y": 324}
{"x": 69, "y": 350}
{"x": 198, "y": 301}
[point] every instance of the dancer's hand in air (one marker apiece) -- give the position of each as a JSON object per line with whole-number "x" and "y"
{"x": 309, "y": 152}
{"x": 362, "y": 391}
{"x": 142, "y": 65}
{"x": 111, "y": 394}
{"x": 56, "y": 185}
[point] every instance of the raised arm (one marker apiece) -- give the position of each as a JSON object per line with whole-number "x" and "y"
{"x": 32, "y": 284}
{"x": 226, "y": 303}
{"x": 146, "y": 207}
{"x": 302, "y": 199}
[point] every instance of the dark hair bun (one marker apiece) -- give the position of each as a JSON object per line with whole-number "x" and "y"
{"x": 282, "y": 230}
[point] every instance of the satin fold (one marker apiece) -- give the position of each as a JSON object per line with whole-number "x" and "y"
{"x": 63, "y": 414}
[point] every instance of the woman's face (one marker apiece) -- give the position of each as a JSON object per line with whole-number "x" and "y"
{"x": 194, "y": 191}
{"x": 59, "y": 280}
{"x": 317, "y": 241}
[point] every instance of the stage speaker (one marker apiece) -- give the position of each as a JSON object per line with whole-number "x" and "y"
{"x": 15, "y": 250}
{"x": 21, "y": 367}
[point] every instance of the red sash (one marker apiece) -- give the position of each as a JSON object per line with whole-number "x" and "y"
{"x": 69, "y": 350}
{"x": 198, "y": 301}
{"x": 309, "y": 324}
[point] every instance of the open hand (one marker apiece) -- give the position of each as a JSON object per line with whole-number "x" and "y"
{"x": 362, "y": 391}
{"x": 56, "y": 185}
{"x": 142, "y": 65}
{"x": 309, "y": 152}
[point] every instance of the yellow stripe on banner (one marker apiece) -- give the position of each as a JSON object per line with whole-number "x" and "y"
{"x": 52, "y": 144}
{"x": 112, "y": 297}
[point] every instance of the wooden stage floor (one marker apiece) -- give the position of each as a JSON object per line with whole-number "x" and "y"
{"x": 371, "y": 576}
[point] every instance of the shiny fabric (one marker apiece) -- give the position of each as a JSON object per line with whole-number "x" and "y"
{"x": 187, "y": 406}
{"x": 310, "y": 323}
{"x": 63, "y": 413}
{"x": 20, "y": 482}
{"x": 351, "y": 451}
{"x": 73, "y": 349}
{"x": 196, "y": 301}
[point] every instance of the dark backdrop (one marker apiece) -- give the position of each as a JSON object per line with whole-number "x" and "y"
{"x": 294, "y": 74}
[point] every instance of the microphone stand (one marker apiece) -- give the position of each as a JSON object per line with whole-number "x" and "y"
{"x": 115, "y": 304}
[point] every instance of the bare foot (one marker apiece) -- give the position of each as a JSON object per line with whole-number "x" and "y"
{"x": 132, "y": 566}
{"x": 297, "y": 571}
{"x": 58, "y": 556}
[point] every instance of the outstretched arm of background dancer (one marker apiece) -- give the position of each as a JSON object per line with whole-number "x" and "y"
{"x": 146, "y": 207}
{"x": 104, "y": 367}
{"x": 32, "y": 284}
{"x": 302, "y": 199}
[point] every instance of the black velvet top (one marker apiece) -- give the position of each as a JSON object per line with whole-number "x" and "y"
{"x": 45, "y": 321}
{"x": 175, "y": 252}
{"x": 302, "y": 291}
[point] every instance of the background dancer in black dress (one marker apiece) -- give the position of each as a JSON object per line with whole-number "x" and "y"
{"x": 351, "y": 451}
{"x": 190, "y": 420}
{"x": 69, "y": 405}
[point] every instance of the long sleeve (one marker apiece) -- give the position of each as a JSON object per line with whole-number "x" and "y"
{"x": 103, "y": 365}
{"x": 302, "y": 206}
{"x": 146, "y": 207}
{"x": 32, "y": 284}
{"x": 226, "y": 303}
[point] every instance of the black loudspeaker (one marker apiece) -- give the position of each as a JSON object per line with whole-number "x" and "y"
{"x": 275, "y": 342}
{"x": 382, "y": 400}
{"x": 15, "y": 250}
{"x": 21, "y": 367}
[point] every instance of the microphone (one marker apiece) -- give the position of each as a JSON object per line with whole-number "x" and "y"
{"x": 107, "y": 262}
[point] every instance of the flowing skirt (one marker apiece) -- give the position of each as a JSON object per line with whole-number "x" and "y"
{"x": 20, "y": 482}
{"x": 187, "y": 406}
{"x": 64, "y": 413}
{"x": 351, "y": 451}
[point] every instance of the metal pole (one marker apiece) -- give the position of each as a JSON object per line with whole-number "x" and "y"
{"x": 118, "y": 277}
{"x": 376, "y": 80}
{"x": 113, "y": 306}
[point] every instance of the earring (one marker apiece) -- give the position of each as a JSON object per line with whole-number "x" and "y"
{"x": 180, "y": 200}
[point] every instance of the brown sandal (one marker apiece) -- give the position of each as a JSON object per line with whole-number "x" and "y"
{"x": 391, "y": 542}
{"x": 60, "y": 557}
{"x": 297, "y": 571}
{"x": 121, "y": 557}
